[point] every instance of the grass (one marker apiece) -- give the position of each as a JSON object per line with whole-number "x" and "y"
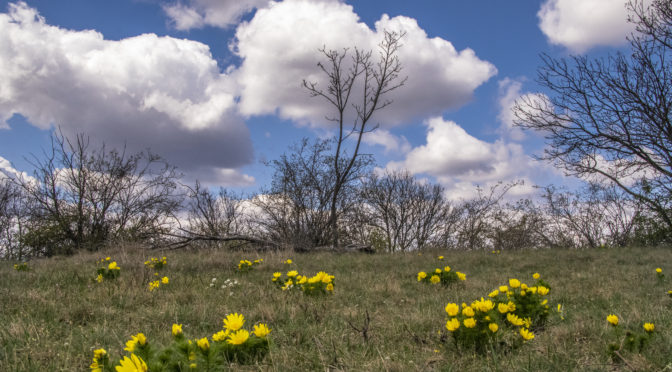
{"x": 53, "y": 316}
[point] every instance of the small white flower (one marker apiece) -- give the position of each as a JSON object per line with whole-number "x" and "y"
{"x": 214, "y": 280}
{"x": 212, "y": 284}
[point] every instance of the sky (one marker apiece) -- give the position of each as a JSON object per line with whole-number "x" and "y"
{"x": 214, "y": 86}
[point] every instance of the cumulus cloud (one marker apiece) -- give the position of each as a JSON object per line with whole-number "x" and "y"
{"x": 118, "y": 91}
{"x": 7, "y": 171}
{"x": 391, "y": 142}
{"x": 279, "y": 48}
{"x": 579, "y": 25}
{"x": 189, "y": 14}
{"x": 461, "y": 161}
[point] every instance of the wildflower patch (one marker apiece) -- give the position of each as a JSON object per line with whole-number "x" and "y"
{"x": 233, "y": 344}
{"x": 318, "y": 284}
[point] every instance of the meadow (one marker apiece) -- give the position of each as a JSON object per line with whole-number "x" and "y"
{"x": 378, "y": 318}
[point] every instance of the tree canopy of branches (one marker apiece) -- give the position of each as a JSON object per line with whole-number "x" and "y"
{"x": 296, "y": 210}
{"x": 408, "y": 213}
{"x": 82, "y": 197}
{"x": 609, "y": 119}
{"x": 375, "y": 79}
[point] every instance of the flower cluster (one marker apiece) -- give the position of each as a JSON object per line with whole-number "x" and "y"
{"x": 246, "y": 265}
{"x": 507, "y": 314}
{"x": 232, "y": 344}
{"x": 634, "y": 340}
{"x": 21, "y": 267}
{"x": 107, "y": 270}
{"x": 528, "y": 304}
{"x": 288, "y": 261}
{"x": 320, "y": 283}
{"x": 496, "y": 251}
{"x": 444, "y": 276}
{"x": 156, "y": 263}
{"x": 155, "y": 284}
{"x": 227, "y": 283}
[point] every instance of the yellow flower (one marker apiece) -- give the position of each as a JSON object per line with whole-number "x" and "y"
{"x": 193, "y": 366}
{"x": 503, "y": 288}
{"x": 493, "y": 293}
{"x": 452, "y": 309}
{"x": 493, "y": 327}
{"x": 483, "y": 305}
{"x": 612, "y": 319}
{"x": 649, "y": 327}
{"x": 527, "y": 335}
{"x": 107, "y": 258}
{"x": 461, "y": 276}
{"x": 305, "y": 279}
{"x": 536, "y": 276}
{"x": 165, "y": 280}
{"x": 234, "y": 322}
{"x": 542, "y": 290}
{"x": 330, "y": 287}
{"x": 437, "y": 271}
{"x": 422, "y": 275}
{"x": 512, "y": 306}
{"x": 470, "y": 322}
{"x": 134, "y": 341}
{"x": 452, "y": 324}
{"x": 113, "y": 266}
{"x": 514, "y": 283}
{"x": 446, "y": 268}
{"x": 292, "y": 273}
{"x": 154, "y": 285}
{"x": 177, "y": 329}
{"x": 277, "y": 275}
{"x": 440, "y": 257}
{"x": 134, "y": 364}
{"x": 435, "y": 279}
{"x": 288, "y": 261}
{"x": 99, "y": 353}
{"x": 502, "y": 308}
{"x": 238, "y": 338}
{"x": 514, "y": 319}
{"x": 523, "y": 286}
{"x": 468, "y": 311}
{"x": 220, "y": 336}
{"x": 99, "y": 278}
{"x": 659, "y": 270}
{"x": 203, "y": 344}
{"x": 261, "y": 330}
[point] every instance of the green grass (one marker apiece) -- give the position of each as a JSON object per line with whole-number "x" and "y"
{"x": 53, "y": 316}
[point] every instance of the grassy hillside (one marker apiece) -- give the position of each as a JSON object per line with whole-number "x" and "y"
{"x": 55, "y": 314}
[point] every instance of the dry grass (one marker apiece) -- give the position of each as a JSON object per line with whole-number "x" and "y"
{"x": 53, "y": 316}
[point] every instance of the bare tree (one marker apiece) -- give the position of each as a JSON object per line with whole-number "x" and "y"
{"x": 82, "y": 197}
{"x": 296, "y": 210}
{"x": 13, "y": 219}
{"x": 478, "y": 214}
{"x": 408, "y": 213}
{"x": 377, "y": 80}
{"x": 214, "y": 214}
{"x": 610, "y": 118}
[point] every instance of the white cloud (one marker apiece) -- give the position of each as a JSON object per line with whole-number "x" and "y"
{"x": 7, "y": 170}
{"x": 190, "y": 14}
{"x": 391, "y": 143}
{"x": 119, "y": 91}
{"x": 279, "y": 48}
{"x": 509, "y": 92}
{"x": 460, "y": 161}
{"x": 580, "y": 25}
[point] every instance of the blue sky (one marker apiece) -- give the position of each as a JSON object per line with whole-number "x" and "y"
{"x": 214, "y": 86}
